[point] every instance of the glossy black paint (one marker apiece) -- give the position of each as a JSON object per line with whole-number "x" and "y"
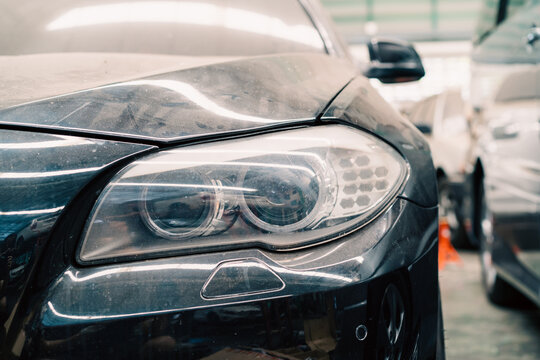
{"x": 385, "y": 256}
{"x": 210, "y": 100}
{"x": 360, "y": 105}
{"x": 110, "y": 305}
{"x": 40, "y": 174}
{"x": 393, "y": 61}
{"x": 333, "y": 265}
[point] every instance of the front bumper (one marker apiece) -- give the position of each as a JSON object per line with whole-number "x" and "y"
{"x": 323, "y": 302}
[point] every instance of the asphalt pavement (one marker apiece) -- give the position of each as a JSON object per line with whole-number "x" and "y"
{"x": 477, "y": 330}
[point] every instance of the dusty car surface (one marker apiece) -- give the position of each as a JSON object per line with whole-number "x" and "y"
{"x": 206, "y": 180}
{"x": 504, "y": 186}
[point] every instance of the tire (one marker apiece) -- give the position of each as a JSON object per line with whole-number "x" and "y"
{"x": 498, "y": 290}
{"x": 447, "y": 209}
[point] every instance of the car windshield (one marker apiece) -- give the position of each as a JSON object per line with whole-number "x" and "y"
{"x": 73, "y": 45}
{"x": 192, "y": 28}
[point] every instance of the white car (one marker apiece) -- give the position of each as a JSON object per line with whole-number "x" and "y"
{"x": 442, "y": 118}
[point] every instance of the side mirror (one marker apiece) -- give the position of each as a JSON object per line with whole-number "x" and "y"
{"x": 393, "y": 61}
{"x": 424, "y": 128}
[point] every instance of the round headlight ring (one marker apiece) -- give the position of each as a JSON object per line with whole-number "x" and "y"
{"x": 313, "y": 215}
{"x": 211, "y": 209}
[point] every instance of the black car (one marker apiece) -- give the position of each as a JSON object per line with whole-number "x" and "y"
{"x": 503, "y": 206}
{"x": 208, "y": 180}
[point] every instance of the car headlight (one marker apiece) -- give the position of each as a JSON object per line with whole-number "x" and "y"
{"x": 278, "y": 191}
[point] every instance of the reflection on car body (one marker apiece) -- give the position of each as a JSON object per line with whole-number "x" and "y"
{"x": 195, "y": 179}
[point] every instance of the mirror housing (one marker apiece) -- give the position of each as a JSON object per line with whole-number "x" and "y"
{"x": 424, "y": 128}
{"x": 393, "y": 61}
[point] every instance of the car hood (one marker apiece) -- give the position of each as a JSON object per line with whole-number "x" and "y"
{"x": 201, "y": 97}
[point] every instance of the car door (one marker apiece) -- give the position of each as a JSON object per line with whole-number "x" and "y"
{"x": 506, "y": 92}
{"x": 529, "y": 240}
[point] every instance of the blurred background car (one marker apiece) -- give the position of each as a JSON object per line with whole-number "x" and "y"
{"x": 442, "y": 118}
{"x": 503, "y": 202}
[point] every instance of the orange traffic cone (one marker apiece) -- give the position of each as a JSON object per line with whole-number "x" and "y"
{"x": 447, "y": 253}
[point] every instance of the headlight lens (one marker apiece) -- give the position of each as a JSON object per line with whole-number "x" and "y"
{"x": 280, "y": 191}
{"x": 178, "y": 212}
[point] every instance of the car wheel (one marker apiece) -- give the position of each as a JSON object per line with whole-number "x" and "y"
{"x": 447, "y": 210}
{"x": 497, "y": 290}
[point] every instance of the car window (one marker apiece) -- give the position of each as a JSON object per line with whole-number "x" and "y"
{"x": 177, "y": 27}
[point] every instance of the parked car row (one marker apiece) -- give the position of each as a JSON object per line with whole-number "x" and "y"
{"x": 493, "y": 151}
{"x": 504, "y": 171}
